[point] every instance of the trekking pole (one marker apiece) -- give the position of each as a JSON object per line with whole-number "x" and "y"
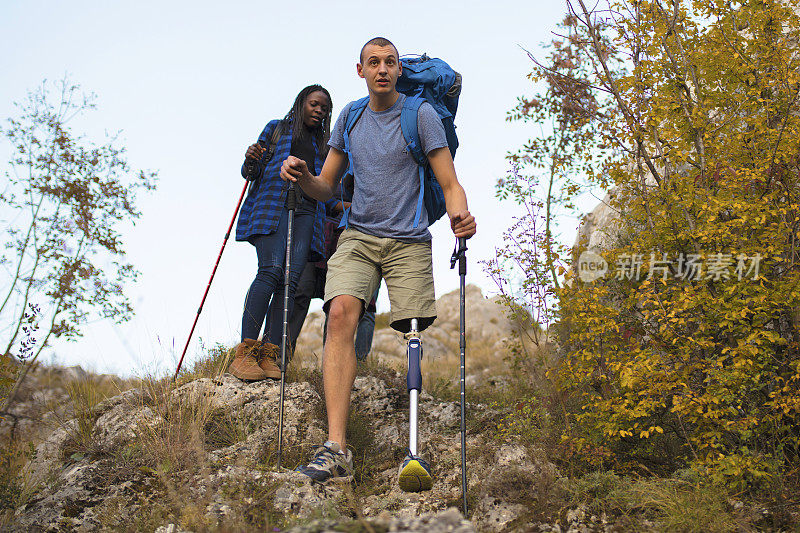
{"x": 459, "y": 254}
{"x": 213, "y": 272}
{"x": 291, "y": 202}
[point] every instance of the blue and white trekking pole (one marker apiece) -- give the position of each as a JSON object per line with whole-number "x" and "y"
{"x": 291, "y": 203}
{"x": 459, "y": 254}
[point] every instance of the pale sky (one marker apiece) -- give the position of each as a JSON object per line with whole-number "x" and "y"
{"x": 191, "y": 85}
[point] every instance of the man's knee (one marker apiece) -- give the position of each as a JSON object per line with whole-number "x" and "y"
{"x": 344, "y": 312}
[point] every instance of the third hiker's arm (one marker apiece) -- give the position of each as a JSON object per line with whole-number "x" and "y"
{"x": 461, "y": 221}
{"x": 318, "y": 187}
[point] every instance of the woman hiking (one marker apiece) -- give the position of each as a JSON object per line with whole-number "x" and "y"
{"x": 263, "y": 221}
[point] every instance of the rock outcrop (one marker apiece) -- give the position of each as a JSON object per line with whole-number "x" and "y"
{"x": 202, "y": 456}
{"x": 80, "y": 490}
{"x": 487, "y": 326}
{"x": 598, "y": 227}
{"x": 43, "y": 401}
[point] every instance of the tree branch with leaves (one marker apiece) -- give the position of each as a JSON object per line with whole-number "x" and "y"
{"x": 64, "y": 204}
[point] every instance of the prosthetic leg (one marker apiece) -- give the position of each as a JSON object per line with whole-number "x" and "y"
{"x": 415, "y": 473}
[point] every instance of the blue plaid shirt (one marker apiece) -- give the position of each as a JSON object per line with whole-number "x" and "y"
{"x": 261, "y": 210}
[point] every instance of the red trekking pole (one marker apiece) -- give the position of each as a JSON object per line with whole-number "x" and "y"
{"x": 200, "y": 309}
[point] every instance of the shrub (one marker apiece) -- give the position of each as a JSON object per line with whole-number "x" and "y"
{"x": 688, "y": 351}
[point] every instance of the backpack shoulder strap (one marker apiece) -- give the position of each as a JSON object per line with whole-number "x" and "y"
{"x": 355, "y": 112}
{"x": 410, "y": 129}
{"x": 270, "y": 146}
{"x": 273, "y": 142}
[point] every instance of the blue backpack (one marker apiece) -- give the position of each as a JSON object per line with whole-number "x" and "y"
{"x": 429, "y": 80}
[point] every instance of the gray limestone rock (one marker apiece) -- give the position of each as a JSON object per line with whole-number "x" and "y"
{"x": 488, "y": 327}
{"x": 229, "y": 470}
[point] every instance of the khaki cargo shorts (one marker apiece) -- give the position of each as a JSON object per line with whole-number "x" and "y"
{"x": 361, "y": 260}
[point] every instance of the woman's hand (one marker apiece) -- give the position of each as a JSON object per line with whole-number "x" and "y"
{"x": 254, "y": 152}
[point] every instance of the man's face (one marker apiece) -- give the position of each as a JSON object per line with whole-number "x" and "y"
{"x": 380, "y": 67}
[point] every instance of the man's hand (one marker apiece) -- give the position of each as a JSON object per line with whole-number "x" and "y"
{"x": 254, "y": 152}
{"x": 294, "y": 169}
{"x": 463, "y": 224}
{"x": 339, "y": 208}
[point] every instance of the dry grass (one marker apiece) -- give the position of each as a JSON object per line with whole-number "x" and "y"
{"x": 84, "y": 395}
{"x": 481, "y": 359}
{"x": 76, "y": 413}
{"x": 213, "y": 365}
{"x": 673, "y": 504}
{"x": 175, "y": 439}
{"x": 439, "y": 372}
{"x": 13, "y": 490}
{"x": 381, "y": 321}
{"x": 170, "y": 447}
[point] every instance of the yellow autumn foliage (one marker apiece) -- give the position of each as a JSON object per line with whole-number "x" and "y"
{"x": 689, "y": 346}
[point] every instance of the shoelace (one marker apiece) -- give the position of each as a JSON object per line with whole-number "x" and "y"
{"x": 253, "y": 352}
{"x": 322, "y": 456}
{"x": 411, "y": 457}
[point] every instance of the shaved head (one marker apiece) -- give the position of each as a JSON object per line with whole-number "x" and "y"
{"x": 377, "y": 41}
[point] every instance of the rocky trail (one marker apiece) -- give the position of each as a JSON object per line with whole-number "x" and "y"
{"x": 201, "y": 456}
{"x": 93, "y": 489}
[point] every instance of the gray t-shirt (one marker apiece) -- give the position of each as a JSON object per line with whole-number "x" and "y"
{"x": 386, "y": 187}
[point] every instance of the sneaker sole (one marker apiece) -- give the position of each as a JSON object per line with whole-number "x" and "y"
{"x": 414, "y": 478}
{"x": 339, "y": 479}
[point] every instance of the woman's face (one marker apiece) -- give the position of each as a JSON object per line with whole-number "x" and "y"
{"x": 317, "y": 107}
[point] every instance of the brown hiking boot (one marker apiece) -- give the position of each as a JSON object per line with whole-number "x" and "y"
{"x": 268, "y": 355}
{"x": 245, "y": 365}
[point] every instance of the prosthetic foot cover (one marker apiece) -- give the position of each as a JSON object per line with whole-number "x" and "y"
{"x": 415, "y": 474}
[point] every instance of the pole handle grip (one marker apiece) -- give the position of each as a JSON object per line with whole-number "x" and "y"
{"x": 291, "y": 197}
{"x": 460, "y": 256}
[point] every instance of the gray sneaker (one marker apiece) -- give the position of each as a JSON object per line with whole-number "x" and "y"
{"x": 329, "y": 463}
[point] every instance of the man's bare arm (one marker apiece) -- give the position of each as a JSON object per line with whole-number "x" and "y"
{"x": 318, "y": 187}
{"x": 461, "y": 221}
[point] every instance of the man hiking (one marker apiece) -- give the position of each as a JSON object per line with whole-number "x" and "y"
{"x": 382, "y": 238}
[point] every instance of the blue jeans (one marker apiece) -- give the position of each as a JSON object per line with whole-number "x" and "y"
{"x": 304, "y": 293}
{"x": 366, "y": 327}
{"x": 271, "y": 252}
